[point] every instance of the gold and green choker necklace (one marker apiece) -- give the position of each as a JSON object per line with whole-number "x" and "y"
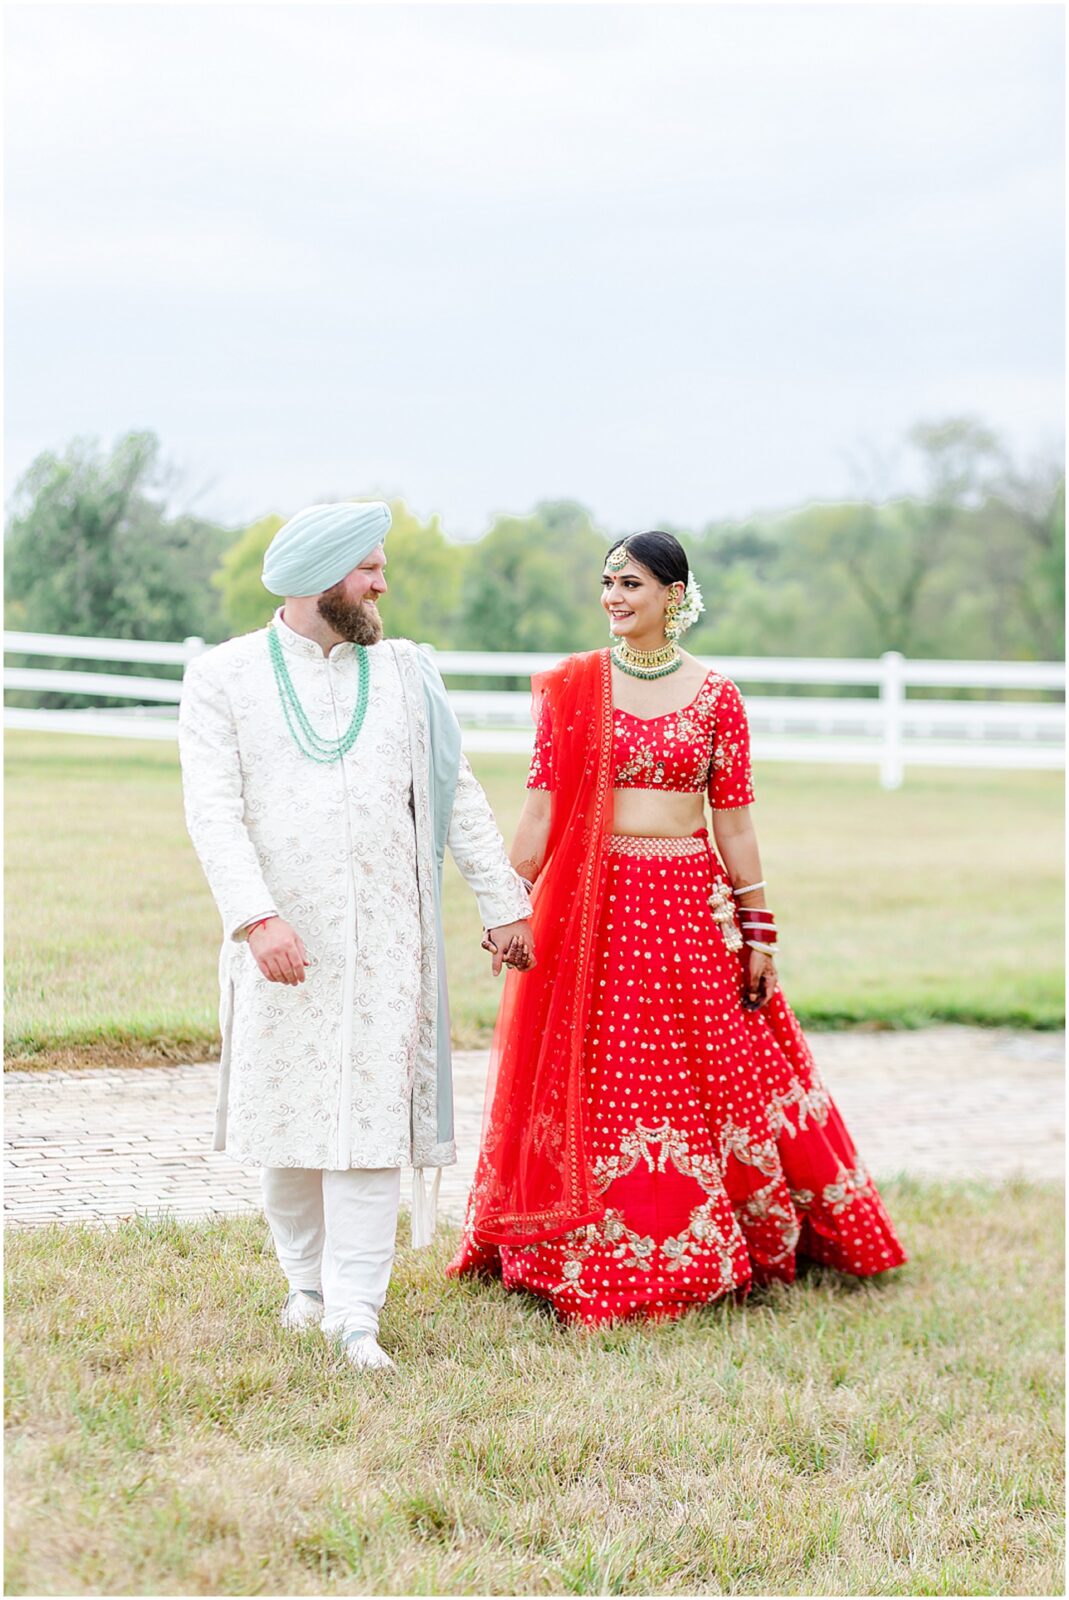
{"x": 647, "y": 663}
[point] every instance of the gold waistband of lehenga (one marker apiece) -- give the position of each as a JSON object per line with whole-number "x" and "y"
{"x": 633, "y": 844}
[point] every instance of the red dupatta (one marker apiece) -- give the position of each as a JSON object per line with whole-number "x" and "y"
{"x": 533, "y": 1180}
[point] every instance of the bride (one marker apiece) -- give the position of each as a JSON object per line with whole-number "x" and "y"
{"x": 656, "y": 1132}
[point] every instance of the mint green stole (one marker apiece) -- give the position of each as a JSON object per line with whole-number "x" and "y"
{"x": 443, "y": 740}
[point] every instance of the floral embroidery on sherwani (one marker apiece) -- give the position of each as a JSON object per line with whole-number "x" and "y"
{"x": 333, "y": 1072}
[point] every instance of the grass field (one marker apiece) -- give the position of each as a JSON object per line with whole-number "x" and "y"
{"x": 840, "y": 1437}
{"x": 941, "y": 901}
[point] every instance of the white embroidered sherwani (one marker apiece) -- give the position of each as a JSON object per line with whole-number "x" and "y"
{"x": 343, "y": 1070}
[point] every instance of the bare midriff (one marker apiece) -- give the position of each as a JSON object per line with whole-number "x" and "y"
{"x": 657, "y": 813}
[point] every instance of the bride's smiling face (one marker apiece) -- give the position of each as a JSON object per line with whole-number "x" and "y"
{"x": 635, "y": 602}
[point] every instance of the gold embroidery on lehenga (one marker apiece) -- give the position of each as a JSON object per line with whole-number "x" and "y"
{"x": 701, "y": 1235}
{"x": 636, "y": 1146}
{"x": 656, "y": 1146}
{"x": 654, "y": 849}
{"x": 759, "y": 1153}
{"x": 630, "y": 1248}
{"x": 812, "y": 1102}
{"x": 763, "y": 1205}
{"x": 760, "y": 1204}
{"x": 848, "y": 1187}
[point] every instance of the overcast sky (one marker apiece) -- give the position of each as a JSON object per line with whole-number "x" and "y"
{"x": 677, "y": 262}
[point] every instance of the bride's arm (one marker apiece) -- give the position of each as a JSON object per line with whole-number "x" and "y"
{"x": 532, "y": 834}
{"x": 736, "y": 842}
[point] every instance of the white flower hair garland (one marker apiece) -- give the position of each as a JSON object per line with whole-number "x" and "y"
{"x": 689, "y": 608}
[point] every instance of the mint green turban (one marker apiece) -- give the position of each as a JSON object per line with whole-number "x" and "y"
{"x": 317, "y": 548}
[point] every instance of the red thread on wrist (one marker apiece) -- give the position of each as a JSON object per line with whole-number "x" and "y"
{"x": 249, "y": 931}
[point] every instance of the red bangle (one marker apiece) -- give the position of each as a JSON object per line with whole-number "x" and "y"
{"x": 251, "y": 929}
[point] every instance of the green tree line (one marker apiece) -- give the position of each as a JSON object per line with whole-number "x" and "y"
{"x": 968, "y": 565}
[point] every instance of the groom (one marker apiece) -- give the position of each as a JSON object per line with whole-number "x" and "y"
{"x": 323, "y": 779}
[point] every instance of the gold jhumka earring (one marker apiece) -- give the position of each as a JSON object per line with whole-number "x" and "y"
{"x": 672, "y": 630}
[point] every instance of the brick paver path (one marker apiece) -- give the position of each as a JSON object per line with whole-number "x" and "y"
{"x": 97, "y": 1145}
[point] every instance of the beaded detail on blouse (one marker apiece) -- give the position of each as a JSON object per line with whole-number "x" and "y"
{"x": 705, "y": 746}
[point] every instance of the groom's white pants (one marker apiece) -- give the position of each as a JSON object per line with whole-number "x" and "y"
{"x": 336, "y": 1232}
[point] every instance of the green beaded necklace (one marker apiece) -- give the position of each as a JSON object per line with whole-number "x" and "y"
{"x": 307, "y": 740}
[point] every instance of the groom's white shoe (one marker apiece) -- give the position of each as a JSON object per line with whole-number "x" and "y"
{"x": 364, "y": 1351}
{"x": 302, "y": 1310}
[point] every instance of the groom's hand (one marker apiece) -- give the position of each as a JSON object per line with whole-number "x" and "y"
{"x": 278, "y": 951}
{"x": 512, "y": 944}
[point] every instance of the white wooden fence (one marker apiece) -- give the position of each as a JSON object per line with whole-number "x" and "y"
{"x": 889, "y": 730}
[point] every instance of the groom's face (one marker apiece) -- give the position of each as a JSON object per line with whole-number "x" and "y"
{"x": 350, "y": 607}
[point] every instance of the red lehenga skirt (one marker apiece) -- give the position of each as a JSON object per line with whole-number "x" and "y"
{"x": 718, "y": 1153}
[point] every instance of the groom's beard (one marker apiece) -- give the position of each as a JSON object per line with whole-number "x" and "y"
{"x": 358, "y": 621}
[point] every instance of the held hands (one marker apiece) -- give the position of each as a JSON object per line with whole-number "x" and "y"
{"x": 512, "y": 944}
{"x": 278, "y": 951}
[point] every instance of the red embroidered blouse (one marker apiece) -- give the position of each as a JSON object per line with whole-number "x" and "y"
{"x": 704, "y": 746}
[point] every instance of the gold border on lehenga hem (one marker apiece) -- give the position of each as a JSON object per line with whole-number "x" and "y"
{"x": 635, "y": 844}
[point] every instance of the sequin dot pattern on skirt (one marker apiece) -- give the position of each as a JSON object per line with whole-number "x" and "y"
{"x": 718, "y": 1152}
